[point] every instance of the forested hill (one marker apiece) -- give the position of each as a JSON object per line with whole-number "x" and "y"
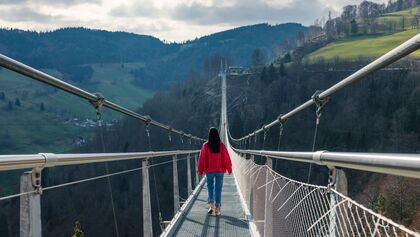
{"x": 126, "y": 68}
{"x": 77, "y": 46}
{"x": 379, "y": 114}
{"x": 72, "y": 50}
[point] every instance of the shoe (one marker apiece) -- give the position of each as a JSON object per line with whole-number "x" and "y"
{"x": 211, "y": 209}
{"x": 217, "y": 212}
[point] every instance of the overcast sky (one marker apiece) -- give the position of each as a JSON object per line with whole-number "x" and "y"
{"x": 171, "y": 20}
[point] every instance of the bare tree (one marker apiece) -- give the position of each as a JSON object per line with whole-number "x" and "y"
{"x": 257, "y": 57}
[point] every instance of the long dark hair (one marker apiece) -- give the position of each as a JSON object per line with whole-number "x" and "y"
{"x": 214, "y": 140}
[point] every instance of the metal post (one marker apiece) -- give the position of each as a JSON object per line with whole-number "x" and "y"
{"x": 269, "y": 162}
{"x": 341, "y": 182}
{"x": 176, "y": 186}
{"x": 30, "y": 207}
{"x": 189, "y": 174}
{"x": 333, "y": 201}
{"x": 249, "y": 190}
{"x": 268, "y": 209}
{"x": 147, "y": 210}
{"x": 197, "y": 181}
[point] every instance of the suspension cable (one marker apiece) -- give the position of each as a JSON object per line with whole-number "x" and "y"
{"x": 98, "y": 105}
{"x": 281, "y": 127}
{"x": 319, "y": 103}
{"x": 392, "y": 56}
{"x": 147, "y": 128}
{"x": 264, "y": 137}
{"x": 37, "y": 75}
{"x": 88, "y": 179}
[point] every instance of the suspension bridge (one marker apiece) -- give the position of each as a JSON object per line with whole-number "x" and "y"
{"x": 257, "y": 201}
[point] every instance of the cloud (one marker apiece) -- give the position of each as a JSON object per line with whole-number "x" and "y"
{"x": 136, "y": 9}
{"x": 26, "y": 14}
{"x": 12, "y": 1}
{"x": 247, "y": 12}
{"x": 167, "y": 19}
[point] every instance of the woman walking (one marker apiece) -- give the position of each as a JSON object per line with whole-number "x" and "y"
{"x": 214, "y": 162}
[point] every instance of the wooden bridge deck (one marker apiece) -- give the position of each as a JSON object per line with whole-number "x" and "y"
{"x": 231, "y": 223}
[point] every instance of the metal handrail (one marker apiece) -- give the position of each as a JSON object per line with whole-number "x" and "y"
{"x": 42, "y": 160}
{"x": 407, "y": 165}
{"x": 394, "y": 55}
{"x": 37, "y": 75}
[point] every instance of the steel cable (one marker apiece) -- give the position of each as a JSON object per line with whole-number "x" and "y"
{"x": 87, "y": 180}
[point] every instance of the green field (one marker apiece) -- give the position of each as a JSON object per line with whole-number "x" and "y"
{"x": 401, "y": 20}
{"x": 370, "y": 46}
{"x": 407, "y": 12}
{"x": 29, "y": 129}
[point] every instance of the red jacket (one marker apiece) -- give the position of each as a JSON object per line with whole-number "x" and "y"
{"x": 214, "y": 162}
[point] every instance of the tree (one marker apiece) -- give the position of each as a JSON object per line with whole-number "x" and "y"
{"x": 257, "y": 57}
{"x": 264, "y": 76}
{"x": 353, "y": 27}
{"x": 9, "y": 106}
{"x": 17, "y": 102}
{"x": 78, "y": 232}
{"x": 330, "y": 30}
{"x": 282, "y": 71}
{"x": 287, "y": 58}
{"x": 368, "y": 11}
{"x": 271, "y": 73}
{"x": 300, "y": 38}
{"x": 403, "y": 23}
{"x": 212, "y": 65}
{"x": 2, "y": 96}
{"x": 42, "y": 107}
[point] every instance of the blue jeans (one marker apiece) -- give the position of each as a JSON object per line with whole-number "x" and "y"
{"x": 214, "y": 187}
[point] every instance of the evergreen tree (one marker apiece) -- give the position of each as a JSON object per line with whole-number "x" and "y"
{"x": 353, "y": 27}
{"x": 287, "y": 58}
{"x": 282, "y": 70}
{"x": 264, "y": 76}
{"x": 17, "y": 102}
{"x": 10, "y": 106}
{"x": 271, "y": 73}
{"x": 257, "y": 57}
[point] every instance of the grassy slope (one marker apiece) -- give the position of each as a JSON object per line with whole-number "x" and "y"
{"x": 27, "y": 130}
{"x": 370, "y": 46}
{"x": 396, "y": 18}
{"x": 407, "y": 12}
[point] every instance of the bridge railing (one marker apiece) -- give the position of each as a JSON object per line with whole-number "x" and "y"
{"x": 31, "y": 188}
{"x": 280, "y": 206}
{"x": 96, "y": 99}
{"x": 407, "y": 165}
{"x": 320, "y": 98}
{"x": 284, "y": 207}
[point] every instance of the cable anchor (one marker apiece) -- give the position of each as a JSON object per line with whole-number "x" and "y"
{"x": 332, "y": 175}
{"x": 182, "y": 137}
{"x": 265, "y": 130}
{"x": 281, "y": 127}
{"x": 147, "y": 123}
{"x": 281, "y": 119}
{"x": 319, "y": 103}
{"x": 169, "y": 134}
{"x": 36, "y": 176}
{"x": 98, "y": 103}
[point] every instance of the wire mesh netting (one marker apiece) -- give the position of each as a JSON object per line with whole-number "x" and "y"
{"x": 284, "y": 207}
